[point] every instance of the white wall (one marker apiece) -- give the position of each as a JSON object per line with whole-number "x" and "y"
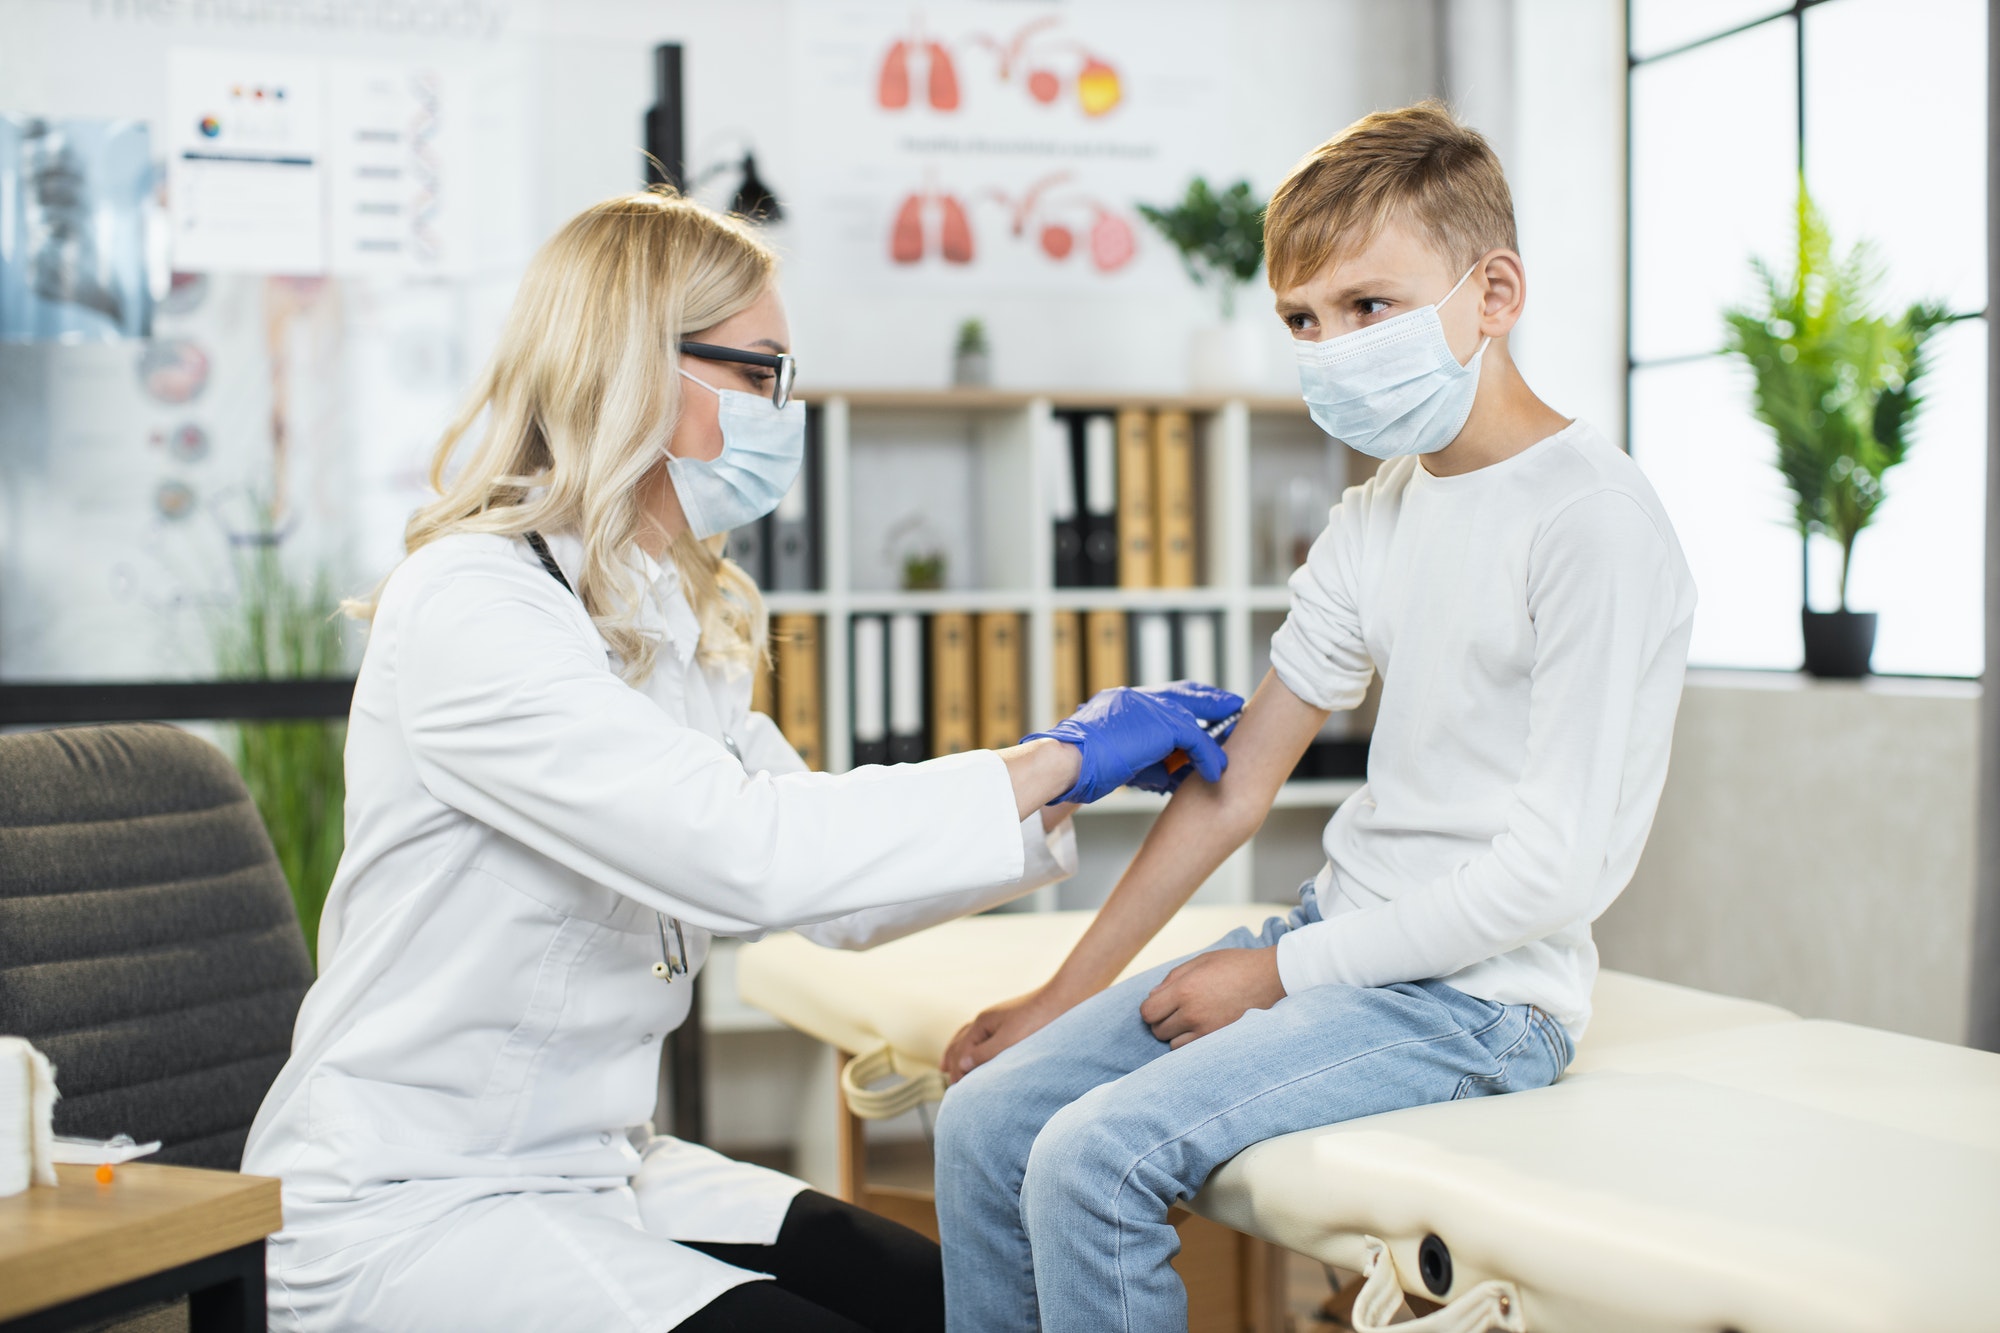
{"x": 1299, "y": 71}
{"x": 1566, "y": 161}
{"x": 1814, "y": 849}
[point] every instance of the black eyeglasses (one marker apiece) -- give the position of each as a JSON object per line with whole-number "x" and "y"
{"x": 784, "y": 369}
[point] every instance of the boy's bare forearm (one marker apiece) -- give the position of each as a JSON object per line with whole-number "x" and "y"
{"x": 1201, "y": 826}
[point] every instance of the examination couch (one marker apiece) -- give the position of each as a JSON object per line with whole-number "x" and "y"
{"x": 1706, "y": 1164}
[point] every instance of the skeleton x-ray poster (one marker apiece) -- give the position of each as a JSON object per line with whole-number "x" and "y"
{"x": 975, "y": 143}
{"x": 74, "y": 195}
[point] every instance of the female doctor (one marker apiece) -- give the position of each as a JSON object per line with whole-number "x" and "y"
{"x": 557, "y": 795}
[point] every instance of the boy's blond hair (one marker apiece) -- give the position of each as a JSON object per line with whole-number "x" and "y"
{"x": 1417, "y": 163}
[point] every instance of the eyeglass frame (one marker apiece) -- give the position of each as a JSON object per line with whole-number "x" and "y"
{"x": 784, "y": 365}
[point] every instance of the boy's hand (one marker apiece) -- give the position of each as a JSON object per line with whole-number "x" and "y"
{"x": 1211, "y": 991}
{"x": 999, "y": 1027}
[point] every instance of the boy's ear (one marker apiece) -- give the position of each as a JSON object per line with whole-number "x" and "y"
{"x": 1506, "y": 292}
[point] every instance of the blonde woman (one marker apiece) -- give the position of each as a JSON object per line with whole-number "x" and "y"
{"x": 558, "y": 795}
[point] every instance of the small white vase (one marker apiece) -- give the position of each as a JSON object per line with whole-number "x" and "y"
{"x": 1228, "y": 356}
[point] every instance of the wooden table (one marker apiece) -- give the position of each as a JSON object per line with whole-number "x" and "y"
{"x": 85, "y": 1252}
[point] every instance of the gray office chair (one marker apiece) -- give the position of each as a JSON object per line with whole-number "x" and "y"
{"x": 148, "y": 944}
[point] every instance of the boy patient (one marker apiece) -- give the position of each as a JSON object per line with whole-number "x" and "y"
{"x": 1514, "y": 580}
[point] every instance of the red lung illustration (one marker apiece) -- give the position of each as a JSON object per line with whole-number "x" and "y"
{"x": 957, "y": 231}
{"x": 944, "y": 78}
{"x": 1111, "y": 242}
{"x": 1057, "y": 240}
{"x": 892, "y": 88}
{"x": 906, "y": 238}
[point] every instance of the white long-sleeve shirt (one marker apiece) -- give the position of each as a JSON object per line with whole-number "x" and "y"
{"x": 486, "y": 1021}
{"x": 1530, "y": 620}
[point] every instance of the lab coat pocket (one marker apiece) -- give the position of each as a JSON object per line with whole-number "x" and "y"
{"x": 504, "y": 1095}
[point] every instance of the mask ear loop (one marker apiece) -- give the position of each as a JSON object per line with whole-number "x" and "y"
{"x": 704, "y": 384}
{"x": 1439, "y": 305}
{"x": 718, "y": 393}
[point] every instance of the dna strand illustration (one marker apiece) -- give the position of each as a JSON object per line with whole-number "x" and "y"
{"x": 426, "y": 241}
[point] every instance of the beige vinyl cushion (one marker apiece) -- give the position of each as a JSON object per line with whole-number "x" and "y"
{"x": 914, "y": 994}
{"x": 1708, "y": 1163}
{"x": 1779, "y": 1177}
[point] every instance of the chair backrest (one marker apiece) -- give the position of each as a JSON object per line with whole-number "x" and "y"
{"x": 148, "y": 944}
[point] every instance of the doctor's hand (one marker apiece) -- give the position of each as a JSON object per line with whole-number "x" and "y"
{"x": 1125, "y": 733}
{"x": 1210, "y": 991}
{"x": 999, "y": 1027}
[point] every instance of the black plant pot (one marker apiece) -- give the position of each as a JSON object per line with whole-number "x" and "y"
{"x": 1838, "y": 643}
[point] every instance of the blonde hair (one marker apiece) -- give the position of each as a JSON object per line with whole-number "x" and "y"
{"x": 580, "y": 398}
{"x": 1418, "y": 163}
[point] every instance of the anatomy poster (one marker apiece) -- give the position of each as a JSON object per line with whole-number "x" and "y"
{"x": 296, "y": 166}
{"x": 993, "y": 143}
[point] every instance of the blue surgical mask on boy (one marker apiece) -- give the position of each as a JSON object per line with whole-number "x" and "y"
{"x": 1392, "y": 388}
{"x": 762, "y": 449}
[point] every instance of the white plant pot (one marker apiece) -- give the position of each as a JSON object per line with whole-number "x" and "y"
{"x": 1228, "y": 356}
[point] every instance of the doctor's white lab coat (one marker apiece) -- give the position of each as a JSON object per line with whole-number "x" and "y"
{"x": 458, "y": 1127}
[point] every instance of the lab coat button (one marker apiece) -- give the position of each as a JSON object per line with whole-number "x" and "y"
{"x": 604, "y": 1138}
{"x": 646, "y": 1040}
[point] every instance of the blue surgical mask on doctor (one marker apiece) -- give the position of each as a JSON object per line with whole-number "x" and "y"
{"x": 1392, "y": 388}
{"x": 762, "y": 449}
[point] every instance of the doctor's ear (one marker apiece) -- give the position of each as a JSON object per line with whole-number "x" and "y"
{"x": 1505, "y": 292}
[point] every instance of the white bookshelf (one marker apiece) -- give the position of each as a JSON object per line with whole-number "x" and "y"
{"x": 984, "y": 451}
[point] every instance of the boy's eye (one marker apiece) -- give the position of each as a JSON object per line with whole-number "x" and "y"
{"x": 1298, "y": 322}
{"x": 1371, "y": 305}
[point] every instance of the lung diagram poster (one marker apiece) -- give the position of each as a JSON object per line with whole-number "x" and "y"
{"x": 1000, "y": 144}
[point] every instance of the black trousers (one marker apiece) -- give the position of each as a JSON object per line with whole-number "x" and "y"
{"x": 839, "y": 1269}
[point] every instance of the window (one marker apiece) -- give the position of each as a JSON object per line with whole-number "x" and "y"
{"x": 1882, "y": 105}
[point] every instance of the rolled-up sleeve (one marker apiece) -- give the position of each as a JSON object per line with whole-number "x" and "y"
{"x": 512, "y": 717}
{"x": 1049, "y": 856}
{"x": 1319, "y": 652}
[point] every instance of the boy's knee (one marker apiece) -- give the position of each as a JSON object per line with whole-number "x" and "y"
{"x": 977, "y": 1118}
{"x": 1080, "y": 1155}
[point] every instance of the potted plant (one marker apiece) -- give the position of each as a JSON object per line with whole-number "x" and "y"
{"x": 972, "y": 359}
{"x": 1838, "y": 384}
{"x": 282, "y": 629}
{"x": 1220, "y": 238}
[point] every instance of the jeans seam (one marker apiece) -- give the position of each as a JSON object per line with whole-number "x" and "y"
{"x": 1546, "y": 1025}
{"x": 1498, "y": 1019}
{"x": 1118, "y": 1191}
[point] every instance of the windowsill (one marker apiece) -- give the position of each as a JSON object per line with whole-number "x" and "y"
{"x": 1906, "y": 687}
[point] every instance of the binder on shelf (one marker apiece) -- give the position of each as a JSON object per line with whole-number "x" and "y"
{"x": 954, "y": 699}
{"x": 1173, "y": 498}
{"x": 1000, "y": 714}
{"x": 1200, "y": 657}
{"x": 799, "y": 716}
{"x": 906, "y": 688}
{"x": 1100, "y": 501}
{"x": 1067, "y": 650}
{"x": 763, "y": 698}
{"x": 1136, "y": 555}
{"x": 745, "y": 546}
{"x": 871, "y": 691}
{"x": 1153, "y": 648}
{"x": 1104, "y": 664}
{"x": 1060, "y": 448}
{"x": 792, "y": 542}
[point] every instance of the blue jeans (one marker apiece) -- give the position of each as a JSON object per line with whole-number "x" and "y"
{"x": 1058, "y": 1160}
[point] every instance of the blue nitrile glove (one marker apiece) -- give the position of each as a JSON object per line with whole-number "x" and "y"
{"x": 1124, "y": 732}
{"x": 1167, "y": 776}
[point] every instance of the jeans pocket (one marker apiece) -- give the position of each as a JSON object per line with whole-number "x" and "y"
{"x": 1522, "y": 1062}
